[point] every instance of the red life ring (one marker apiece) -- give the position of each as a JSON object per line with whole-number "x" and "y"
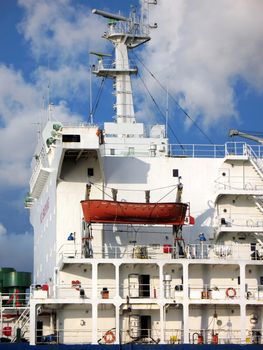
{"x": 76, "y": 284}
{"x": 109, "y": 337}
{"x": 231, "y": 292}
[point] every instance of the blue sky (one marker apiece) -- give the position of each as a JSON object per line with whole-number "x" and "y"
{"x": 209, "y": 57}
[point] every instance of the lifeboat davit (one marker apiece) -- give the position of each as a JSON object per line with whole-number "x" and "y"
{"x": 106, "y": 211}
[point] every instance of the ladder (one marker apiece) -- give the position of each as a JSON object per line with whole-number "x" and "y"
{"x": 22, "y": 323}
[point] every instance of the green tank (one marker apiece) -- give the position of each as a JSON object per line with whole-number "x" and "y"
{"x": 3, "y": 272}
{"x": 17, "y": 279}
{"x": 15, "y": 284}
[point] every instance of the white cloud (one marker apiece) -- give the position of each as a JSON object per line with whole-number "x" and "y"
{"x": 2, "y": 229}
{"x": 67, "y": 82}
{"x": 62, "y": 33}
{"x": 16, "y": 250}
{"x": 21, "y": 116}
{"x": 200, "y": 49}
{"x": 60, "y": 30}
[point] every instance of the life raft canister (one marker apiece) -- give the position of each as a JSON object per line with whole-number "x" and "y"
{"x": 7, "y": 331}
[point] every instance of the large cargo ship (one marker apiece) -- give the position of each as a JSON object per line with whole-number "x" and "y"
{"x": 136, "y": 240}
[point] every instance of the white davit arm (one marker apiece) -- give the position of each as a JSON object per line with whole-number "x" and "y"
{"x": 234, "y": 132}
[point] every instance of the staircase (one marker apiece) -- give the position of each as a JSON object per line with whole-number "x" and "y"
{"x": 254, "y": 159}
{"x": 258, "y": 200}
{"x": 22, "y": 323}
{"x": 258, "y": 166}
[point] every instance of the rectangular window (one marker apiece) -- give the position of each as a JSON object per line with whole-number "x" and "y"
{"x": 70, "y": 138}
{"x": 175, "y": 172}
{"x": 144, "y": 286}
{"x": 112, "y": 151}
{"x": 131, "y": 151}
{"x": 90, "y": 172}
{"x": 146, "y": 326}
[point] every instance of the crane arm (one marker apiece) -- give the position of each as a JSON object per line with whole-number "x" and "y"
{"x": 234, "y": 132}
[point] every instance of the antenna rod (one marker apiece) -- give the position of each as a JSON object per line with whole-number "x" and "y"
{"x": 167, "y": 112}
{"x": 90, "y": 98}
{"x": 110, "y": 15}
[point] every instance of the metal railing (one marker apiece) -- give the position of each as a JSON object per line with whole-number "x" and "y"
{"x": 75, "y": 290}
{"x": 140, "y": 290}
{"x": 225, "y": 335}
{"x": 255, "y": 156}
{"x": 14, "y": 299}
{"x": 83, "y": 335}
{"x": 147, "y": 290}
{"x": 158, "y": 251}
{"x": 219, "y": 292}
{"x": 173, "y": 336}
{"x": 13, "y": 311}
{"x": 238, "y": 183}
{"x": 197, "y": 151}
{"x": 239, "y": 220}
{"x": 129, "y": 27}
{"x": 228, "y": 149}
{"x": 140, "y": 335}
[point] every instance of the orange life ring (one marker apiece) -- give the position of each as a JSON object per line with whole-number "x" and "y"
{"x": 231, "y": 292}
{"x": 109, "y": 337}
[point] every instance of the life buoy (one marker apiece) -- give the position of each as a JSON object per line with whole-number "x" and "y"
{"x": 231, "y": 292}
{"x": 109, "y": 337}
{"x": 76, "y": 284}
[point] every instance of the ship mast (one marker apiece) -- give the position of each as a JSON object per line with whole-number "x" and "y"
{"x": 125, "y": 33}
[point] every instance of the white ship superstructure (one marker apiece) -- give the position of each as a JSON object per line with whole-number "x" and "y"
{"x": 118, "y": 284}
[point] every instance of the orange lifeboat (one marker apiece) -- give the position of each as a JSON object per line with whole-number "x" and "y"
{"x": 106, "y": 211}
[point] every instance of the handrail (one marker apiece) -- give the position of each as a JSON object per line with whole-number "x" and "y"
{"x": 158, "y": 251}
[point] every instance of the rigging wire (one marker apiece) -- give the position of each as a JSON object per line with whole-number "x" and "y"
{"x": 98, "y": 96}
{"x": 158, "y": 108}
{"x": 166, "y": 195}
{"x": 134, "y": 190}
{"x": 174, "y": 100}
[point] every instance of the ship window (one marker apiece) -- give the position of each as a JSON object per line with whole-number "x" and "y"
{"x": 146, "y": 326}
{"x": 131, "y": 151}
{"x": 90, "y": 172}
{"x": 238, "y": 280}
{"x": 144, "y": 286}
{"x": 70, "y": 138}
{"x": 112, "y": 151}
{"x": 175, "y": 172}
{"x": 39, "y": 333}
{"x": 261, "y": 280}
